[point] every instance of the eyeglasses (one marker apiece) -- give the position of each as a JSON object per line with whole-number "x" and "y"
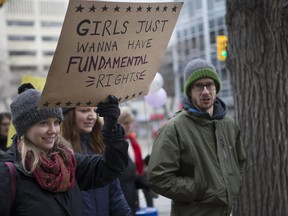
{"x": 198, "y": 87}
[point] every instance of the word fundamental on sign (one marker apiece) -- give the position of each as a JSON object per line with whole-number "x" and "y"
{"x": 96, "y": 63}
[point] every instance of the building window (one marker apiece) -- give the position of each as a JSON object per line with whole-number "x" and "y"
{"x": 46, "y": 67}
{"x": 191, "y": 8}
{"x": 185, "y": 32}
{"x": 221, "y": 32}
{"x": 212, "y": 37}
{"x": 187, "y": 47}
{"x": 51, "y": 24}
{"x": 193, "y": 43}
{"x": 210, "y": 4}
{"x": 20, "y": 7}
{"x": 178, "y": 35}
{"x": 22, "y": 53}
{"x": 20, "y": 38}
{"x": 214, "y": 58}
{"x": 50, "y": 38}
{"x": 225, "y": 93}
{"x": 201, "y": 43}
{"x": 183, "y": 47}
{"x": 198, "y": 4}
{"x": 193, "y": 29}
{"x": 22, "y": 68}
{"x": 220, "y": 21}
{"x": 211, "y": 23}
{"x": 179, "y": 49}
{"x": 57, "y": 8}
{"x": 200, "y": 27}
{"x": 48, "y": 53}
{"x": 224, "y": 74}
{"x": 19, "y": 23}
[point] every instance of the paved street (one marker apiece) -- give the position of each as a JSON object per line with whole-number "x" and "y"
{"x": 163, "y": 206}
{"x": 161, "y": 203}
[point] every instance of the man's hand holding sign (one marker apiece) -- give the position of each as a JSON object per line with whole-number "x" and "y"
{"x": 108, "y": 48}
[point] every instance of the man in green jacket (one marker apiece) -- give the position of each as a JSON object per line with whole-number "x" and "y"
{"x": 198, "y": 154}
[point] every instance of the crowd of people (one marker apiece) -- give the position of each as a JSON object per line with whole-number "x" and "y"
{"x": 72, "y": 142}
{"x": 88, "y": 160}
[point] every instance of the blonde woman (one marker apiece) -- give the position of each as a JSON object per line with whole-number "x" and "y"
{"x": 49, "y": 176}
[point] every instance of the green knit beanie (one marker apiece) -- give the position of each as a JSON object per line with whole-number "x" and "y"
{"x": 198, "y": 69}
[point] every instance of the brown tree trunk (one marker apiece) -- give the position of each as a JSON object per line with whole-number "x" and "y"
{"x": 258, "y": 64}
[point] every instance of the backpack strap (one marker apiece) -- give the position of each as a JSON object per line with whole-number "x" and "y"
{"x": 12, "y": 171}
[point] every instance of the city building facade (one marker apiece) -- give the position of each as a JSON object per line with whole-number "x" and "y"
{"x": 29, "y": 34}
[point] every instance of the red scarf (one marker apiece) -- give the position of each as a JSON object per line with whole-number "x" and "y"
{"x": 52, "y": 173}
{"x": 137, "y": 152}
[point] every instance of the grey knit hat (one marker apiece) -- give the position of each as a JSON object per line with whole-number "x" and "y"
{"x": 25, "y": 111}
{"x": 198, "y": 69}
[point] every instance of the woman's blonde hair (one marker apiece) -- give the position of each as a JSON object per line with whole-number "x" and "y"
{"x": 28, "y": 146}
{"x": 126, "y": 115}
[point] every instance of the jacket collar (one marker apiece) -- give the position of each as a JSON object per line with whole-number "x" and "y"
{"x": 220, "y": 109}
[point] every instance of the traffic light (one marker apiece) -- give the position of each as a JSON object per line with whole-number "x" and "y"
{"x": 222, "y": 47}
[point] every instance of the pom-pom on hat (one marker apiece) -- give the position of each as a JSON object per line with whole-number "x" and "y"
{"x": 198, "y": 69}
{"x": 24, "y": 87}
{"x": 25, "y": 111}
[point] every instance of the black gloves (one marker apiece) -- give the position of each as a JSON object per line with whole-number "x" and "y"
{"x": 110, "y": 112}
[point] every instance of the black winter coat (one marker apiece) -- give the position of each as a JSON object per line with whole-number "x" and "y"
{"x": 91, "y": 171}
{"x": 130, "y": 183}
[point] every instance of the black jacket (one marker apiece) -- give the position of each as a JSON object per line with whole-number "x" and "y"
{"x": 91, "y": 171}
{"x": 108, "y": 200}
{"x": 130, "y": 183}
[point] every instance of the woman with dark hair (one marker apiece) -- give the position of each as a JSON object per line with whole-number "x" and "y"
{"x": 5, "y": 120}
{"x": 82, "y": 128}
{"x": 49, "y": 175}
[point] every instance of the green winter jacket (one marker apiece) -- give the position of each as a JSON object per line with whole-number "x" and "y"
{"x": 196, "y": 161}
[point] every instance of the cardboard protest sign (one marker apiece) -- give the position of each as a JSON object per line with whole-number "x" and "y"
{"x": 38, "y": 83}
{"x": 108, "y": 48}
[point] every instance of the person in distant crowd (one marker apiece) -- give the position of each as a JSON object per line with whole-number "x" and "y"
{"x": 134, "y": 177}
{"x": 198, "y": 155}
{"x": 5, "y": 120}
{"x": 149, "y": 194}
{"x": 82, "y": 128}
{"x": 49, "y": 175}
